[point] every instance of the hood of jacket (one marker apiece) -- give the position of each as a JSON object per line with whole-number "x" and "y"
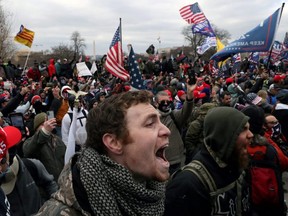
{"x": 222, "y": 126}
{"x": 51, "y": 61}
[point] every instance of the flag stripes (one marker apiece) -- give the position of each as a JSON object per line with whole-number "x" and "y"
{"x": 114, "y": 62}
{"x": 25, "y": 36}
{"x": 192, "y": 14}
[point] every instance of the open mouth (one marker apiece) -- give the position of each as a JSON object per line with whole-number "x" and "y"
{"x": 161, "y": 153}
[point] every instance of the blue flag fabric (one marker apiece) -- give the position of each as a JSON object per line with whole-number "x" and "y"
{"x": 203, "y": 28}
{"x": 254, "y": 57}
{"x": 135, "y": 74}
{"x": 258, "y": 39}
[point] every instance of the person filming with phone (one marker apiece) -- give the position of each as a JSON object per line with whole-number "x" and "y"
{"x": 45, "y": 145}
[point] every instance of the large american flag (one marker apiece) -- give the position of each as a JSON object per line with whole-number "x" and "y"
{"x": 114, "y": 62}
{"x": 136, "y": 76}
{"x": 192, "y": 14}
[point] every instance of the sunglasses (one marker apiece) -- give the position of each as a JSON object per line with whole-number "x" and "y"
{"x": 167, "y": 102}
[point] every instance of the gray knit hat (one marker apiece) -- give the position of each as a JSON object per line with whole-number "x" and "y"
{"x": 39, "y": 119}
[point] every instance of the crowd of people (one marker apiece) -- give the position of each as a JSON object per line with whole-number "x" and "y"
{"x": 186, "y": 144}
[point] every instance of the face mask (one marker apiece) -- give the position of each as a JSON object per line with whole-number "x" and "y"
{"x": 276, "y": 131}
{"x": 3, "y": 174}
{"x": 165, "y": 106}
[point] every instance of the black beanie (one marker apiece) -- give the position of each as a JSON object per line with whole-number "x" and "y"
{"x": 256, "y": 120}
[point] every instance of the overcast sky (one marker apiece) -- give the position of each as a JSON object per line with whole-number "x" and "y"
{"x": 143, "y": 21}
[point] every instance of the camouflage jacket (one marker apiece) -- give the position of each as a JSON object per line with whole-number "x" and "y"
{"x": 63, "y": 202}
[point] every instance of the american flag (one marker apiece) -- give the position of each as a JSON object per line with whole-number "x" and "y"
{"x": 136, "y": 77}
{"x": 114, "y": 62}
{"x": 192, "y": 14}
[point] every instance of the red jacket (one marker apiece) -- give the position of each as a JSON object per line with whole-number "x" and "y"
{"x": 51, "y": 68}
{"x": 34, "y": 74}
{"x": 283, "y": 160}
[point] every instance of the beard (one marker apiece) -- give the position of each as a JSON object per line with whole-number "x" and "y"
{"x": 240, "y": 159}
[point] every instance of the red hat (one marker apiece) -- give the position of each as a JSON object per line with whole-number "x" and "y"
{"x": 169, "y": 93}
{"x": 229, "y": 80}
{"x": 277, "y": 78}
{"x": 35, "y": 98}
{"x": 9, "y": 136}
{"x": 180, "y": 93}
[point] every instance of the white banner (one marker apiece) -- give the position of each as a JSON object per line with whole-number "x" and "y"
{"x": 83, "y": 69}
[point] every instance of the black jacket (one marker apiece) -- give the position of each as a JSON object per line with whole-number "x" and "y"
{"x": 25, "y": 198}
{"x": 185, "y": 193}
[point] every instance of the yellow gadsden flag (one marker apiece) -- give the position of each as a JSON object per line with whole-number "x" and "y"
{"x": 220, "y": 46}
{"x": 25, "y": 36}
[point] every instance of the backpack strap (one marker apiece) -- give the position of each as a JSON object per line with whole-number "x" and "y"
{"x": 84, "y": 116}
{"x": 71, "y": 116}
{"x": 202, "y": 174}
{"x": 84, "y": 113}
{"x": 207, "y": 180}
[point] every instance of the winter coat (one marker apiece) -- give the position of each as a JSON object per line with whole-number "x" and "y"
{"x": 186, "y": 194}
{"x": 49, "y": 149}
{"x": 64, "y": 201}
{"x": 175, "y": 153}
{"x": 25, "y": 198}
{"x": 51, "y": 68}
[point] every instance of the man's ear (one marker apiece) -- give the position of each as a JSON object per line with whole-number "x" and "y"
{"x": 112, "y": 144}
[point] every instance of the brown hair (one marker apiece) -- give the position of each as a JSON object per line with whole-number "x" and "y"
{"x": 110, "y": 117}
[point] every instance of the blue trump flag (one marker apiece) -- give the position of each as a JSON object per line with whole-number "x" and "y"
{"x": 259, "y": 39}
{"x": 135, "y": 74}
{"x": 203, "y": 28}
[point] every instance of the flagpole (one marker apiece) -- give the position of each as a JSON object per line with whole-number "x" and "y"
{"x": 120, "y": 31}
{"x": 26, "y": 61}
{"x": 94, "y": 50}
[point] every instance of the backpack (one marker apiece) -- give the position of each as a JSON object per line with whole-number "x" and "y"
{"x": 265, "y": 177}
{"x": 207, "y": 180}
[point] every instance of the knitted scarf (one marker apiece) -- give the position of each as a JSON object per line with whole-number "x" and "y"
{"x": 111, "y": 189}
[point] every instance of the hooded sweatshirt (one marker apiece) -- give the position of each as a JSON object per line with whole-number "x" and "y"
{"x": 219, "y": 121}
{"x": 186, "y": 194}
{"x": 51, "y": 68}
